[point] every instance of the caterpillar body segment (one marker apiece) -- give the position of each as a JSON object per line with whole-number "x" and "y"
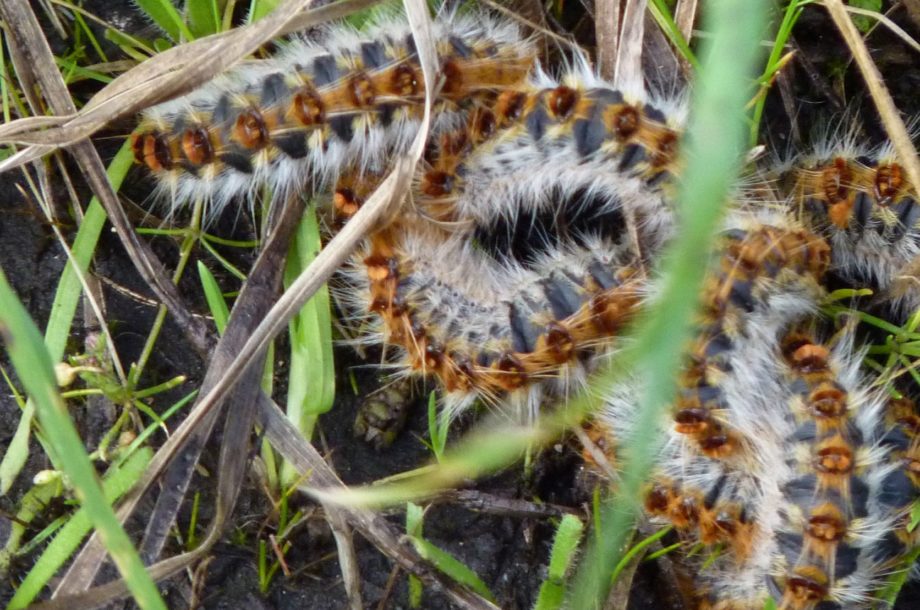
{"x": 766, "y": 278}
{"x": 723, "y": 437}
{"x": 900, "y": 488}
{"x": 293, "y": 121}
{"x": 777, "y": 456}
{"x": 815, "y": 520}
{"x": 503, "y": 335}
{"x": 832, "y": 522}
{"x": 869, "y": 211}
{"x": 554, "y": 140}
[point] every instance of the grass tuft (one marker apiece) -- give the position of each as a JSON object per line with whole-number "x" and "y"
{"x": 34, "y": 367}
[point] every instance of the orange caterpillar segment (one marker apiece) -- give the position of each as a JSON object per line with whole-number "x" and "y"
{"x": 830, "y": 491}
{"x": 154, "y": 150}
{"x": 581, "y": 124}
{"x": 901, "y": 488}
{"x": 351, "y": 191}
{"x": 752, "y": 264}
{"x": 296, "y": 105}
{"x": 906, "y": 418}
{"x": 519, "y": 348}
{"x": 440, "y": 179}
{"x": 857, "y": 195}
{"x": 603, "y": 438}
{"x": 714, "y": 520}
{"x": 870, "y": 212}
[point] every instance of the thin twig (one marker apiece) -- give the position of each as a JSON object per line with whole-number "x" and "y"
{"x": 628, "y": 70}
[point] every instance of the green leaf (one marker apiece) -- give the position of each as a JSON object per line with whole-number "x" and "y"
{"x": 438, "y": 426}
{"x": 862, "y": 22}
{"x": 165, "y": 15}
{"x": 260, "y": 8}
{"x": 32, "y": 504}
{"x": 415, "y": 591}
{"x": 311, "y": 386}
{"x": 565, "y": 544}
{"x": 414, "y": 516}
{"x": 203, "y": 17}
{"x": 450, "y": 565}
{"x": 215, "y": 298}
{"x": 568, "y": 535}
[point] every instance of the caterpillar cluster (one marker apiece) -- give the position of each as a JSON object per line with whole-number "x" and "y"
{"x": 537, "y": 213}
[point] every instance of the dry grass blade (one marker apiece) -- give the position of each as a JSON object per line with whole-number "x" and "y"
{"x": 628, "y": 70}
{"x": 685, "y": 17}
{"x": 685, "y": 14}
{"x": 891, "y": 118}
{"x": 888, "y": 23}
{"x": 538, "y": 26}
{"x": 348, "y": 559}
{"x": 607, "y": 32}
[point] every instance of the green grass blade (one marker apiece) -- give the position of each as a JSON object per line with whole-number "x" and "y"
{"x": 438, "y": 426}
{"x": 33, "y": 365}
{"x": 568, "y": 534}
{"x": 635, "y": 550}
{"x": 165, "y": 15}
{"x": 311, "y": 387}
{"x": 68, "y": 538}
{"x": 215, "y": 298}
{"x": 32, "y": 504}
{"x": 450, "y": 565}
{"x": 714, "y": 145}
{"x": 790, "y": 17}
{"x": 414, "y": 517}
{"x": 203, "y": 17}
{"x": 862, "y": 22}
{"x": 66, "y": 298}
{"x": 260, "y": 8}
{"x": 665, "y": 20}
{"x": 565, "y": 545}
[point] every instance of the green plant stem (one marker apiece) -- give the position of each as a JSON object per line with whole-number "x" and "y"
{"x": 714, "y": 145}
{"x": 185, "y": 253}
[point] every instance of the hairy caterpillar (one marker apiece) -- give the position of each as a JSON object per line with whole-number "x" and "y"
{"x": 507, "y": 283}
{"x": 291, "y": 122}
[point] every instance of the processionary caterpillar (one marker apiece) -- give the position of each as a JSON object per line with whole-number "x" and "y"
{"x": 536, "y": 215}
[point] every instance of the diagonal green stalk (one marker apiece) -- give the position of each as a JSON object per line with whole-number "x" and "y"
{"x": 713, "y": 151}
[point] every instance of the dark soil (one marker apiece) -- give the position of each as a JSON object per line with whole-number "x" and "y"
{"x": 509, "y": 552}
